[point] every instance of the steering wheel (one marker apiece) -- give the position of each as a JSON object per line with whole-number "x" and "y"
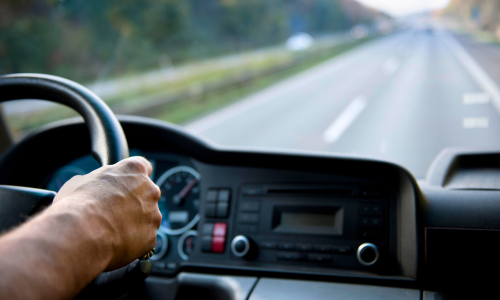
{"x": 108, "y": 146}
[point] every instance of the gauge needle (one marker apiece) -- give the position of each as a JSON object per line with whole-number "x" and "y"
{"x": 178, "y": 198}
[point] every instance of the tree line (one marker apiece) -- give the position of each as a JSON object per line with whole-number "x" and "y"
{"x": 87, "y": 40}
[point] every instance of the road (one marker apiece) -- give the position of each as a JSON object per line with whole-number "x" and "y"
{"x": 401, "y": 98}
{"x": 138, "y": 83}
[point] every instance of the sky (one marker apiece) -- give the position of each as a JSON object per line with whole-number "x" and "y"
{"x": 404, "y": 7}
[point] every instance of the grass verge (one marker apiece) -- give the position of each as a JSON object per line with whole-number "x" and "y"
{"x": 197, "y": 105}
{"x": 183, "y": 112}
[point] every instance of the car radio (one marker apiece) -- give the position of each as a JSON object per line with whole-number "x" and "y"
{"x": 334, "y": 226}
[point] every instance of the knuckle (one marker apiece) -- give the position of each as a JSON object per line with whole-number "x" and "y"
{"x": 137, "y": 164}
{"x": 156, "y": 192}
{"x": 157, "y": 219}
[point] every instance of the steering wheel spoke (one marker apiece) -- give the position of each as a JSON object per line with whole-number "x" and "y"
{"x": 18, "y": 203}
{"x": 108, "y": 146}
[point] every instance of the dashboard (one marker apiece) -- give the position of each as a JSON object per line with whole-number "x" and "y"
{"x": 319, "y": 223}
{"x": 283, "y": 218}
{"x": 277, "y": 213}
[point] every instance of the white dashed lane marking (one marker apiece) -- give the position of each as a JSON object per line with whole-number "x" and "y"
{"x": 480, "y": 122}
{"x": 481, "y": 77}
{"x": 344, "y": 120}
{"x": 476, "y": 98}
{"x": 390, "y": 66}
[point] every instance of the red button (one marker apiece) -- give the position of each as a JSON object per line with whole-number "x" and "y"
{"x": 218, "y": 244}
{"x": 220, "y": 229}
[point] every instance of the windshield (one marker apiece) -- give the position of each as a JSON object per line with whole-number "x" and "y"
{"x": 391, "y": 80}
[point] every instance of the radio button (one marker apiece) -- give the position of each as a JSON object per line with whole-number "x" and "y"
{"x": 224, "y": 196}
{"x": 367, "y": 254}
{"x": 206, "y": 243}
{"x": 222, "y": 210}
{"x": 303, "y": 247}
{"x": 323, "y": 248}
{"x": 372, "y": 209}
{"x": 371, "y": 192}
{"x": 210, "y": 210}
{"x": 370, "y": 235}
{"x": 321, "y": 258}
{"x": 269, "y": 245}
{"x": 207, "y": 229}
{"x": 253, "y": 206}
{"x": 243, "y": 228}
{"x": 248, "y": 218}
{"x": 365, "y": 209}
{"x": 211, "y": 196}
{"x": 218, "y": 243}
{"x": 286, "y": 246}
{"x": 252, "y": 190}
{"x": 342, "y": 249}
{"x": 220, "y": 229}
{"x": 293, "y": 256}
{"x": 377, "y": 209}
{"x": 240, "y": 246}
{"x": 371, "y": 222}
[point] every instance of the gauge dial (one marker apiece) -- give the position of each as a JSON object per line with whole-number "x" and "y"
{"x": 61, "y": 176}
{"x": 186, "y": 244}
{"x": 180, "y": 199}
{"x": 161, "y": 246}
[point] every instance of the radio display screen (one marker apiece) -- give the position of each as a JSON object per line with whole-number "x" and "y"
{"x": 327, "y": 221}
{"x": 304, "y": 219}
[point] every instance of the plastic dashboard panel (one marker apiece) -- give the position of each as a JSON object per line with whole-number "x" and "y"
{"x": 231, "y": 168}
{"x": 277, "y": 289}
{"x": 426, "y": 218}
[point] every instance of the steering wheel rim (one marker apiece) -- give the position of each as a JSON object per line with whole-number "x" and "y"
{"x": 108, "y": 141}
{"x": 108, "y": 146}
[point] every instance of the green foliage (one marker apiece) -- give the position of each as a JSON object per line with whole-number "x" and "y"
{"x": 480, "y": 14}
{"x": 88, "y": 40}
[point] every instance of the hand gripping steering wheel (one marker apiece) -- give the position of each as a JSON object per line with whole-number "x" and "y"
{"x": 108, "y": 146}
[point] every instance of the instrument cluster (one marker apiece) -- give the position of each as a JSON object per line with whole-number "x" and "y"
{"x": 179, "y": 204}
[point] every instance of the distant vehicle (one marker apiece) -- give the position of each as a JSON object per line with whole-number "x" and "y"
{"x": 299, "y": 42}
{"x": 384, "y": 27}
{"x": 359, "y": 31}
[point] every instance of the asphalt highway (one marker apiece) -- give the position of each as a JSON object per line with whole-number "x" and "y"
{"x": 400, "y": 98}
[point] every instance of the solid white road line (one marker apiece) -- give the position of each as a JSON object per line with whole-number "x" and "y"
{"x": 345, "y": 119}
{"x": 482, "y": 78}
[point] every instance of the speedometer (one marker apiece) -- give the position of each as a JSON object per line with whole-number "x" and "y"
{"x": 180, "y": 199}
{"x": 61, "y": 176}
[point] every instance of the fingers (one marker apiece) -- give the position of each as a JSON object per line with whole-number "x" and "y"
{"x": 133, "y": 176}
{"x": 157, "y": 219}
{"x": 137, "y": 164}
{"x": 156, "y": 192}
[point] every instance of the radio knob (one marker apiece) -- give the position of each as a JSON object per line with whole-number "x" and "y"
{"x": 367, "y": 254}
{"x": 240, "y": 246}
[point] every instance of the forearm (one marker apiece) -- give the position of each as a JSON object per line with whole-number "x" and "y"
{"x": 54, "y": 255}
